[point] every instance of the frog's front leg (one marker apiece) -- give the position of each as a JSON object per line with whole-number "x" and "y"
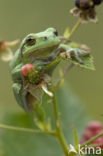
{"x": 68, "y": 52}
{"x": 23, "y": 97}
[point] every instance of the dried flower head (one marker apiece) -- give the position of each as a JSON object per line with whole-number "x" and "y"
{"x": 5, "y": 51}
{"x": 85, "y": 9}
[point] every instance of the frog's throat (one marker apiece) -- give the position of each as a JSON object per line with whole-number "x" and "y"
{"x": 47, "y": 59}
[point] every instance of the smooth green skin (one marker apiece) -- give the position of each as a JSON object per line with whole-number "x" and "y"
{"x": 45, "y": 54}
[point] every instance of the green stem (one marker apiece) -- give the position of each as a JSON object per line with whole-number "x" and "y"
{"x": 27, "y": 130}
{"x": 64, "y": 73}
{"x": 76, "y": 26}
{"x": 59, "y": 132}
{"x": 92, "y": 139}
{"x": 74, "y": 29}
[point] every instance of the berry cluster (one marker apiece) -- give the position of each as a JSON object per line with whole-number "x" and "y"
{"x": 29, "y": 72}
{"x": 87, "y": 4}
{"x": 86, "y": 10}
{"x": 94, "y": 128}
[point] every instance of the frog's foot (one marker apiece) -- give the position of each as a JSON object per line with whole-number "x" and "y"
{"x": 20, "y": 89}
{"x": 76, "y": 53}
{"x": 78, "y": 59}
{"x": 84, "y": 53}
{"x": 23, "y": 97}
{"x": 72, "y": 54}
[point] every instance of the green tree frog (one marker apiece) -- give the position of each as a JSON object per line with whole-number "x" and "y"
{"x": 44, "y": 51}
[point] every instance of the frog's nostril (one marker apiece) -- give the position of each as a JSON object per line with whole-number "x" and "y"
{"x": 45, "y": 38}
{"x": 56, "y": 32}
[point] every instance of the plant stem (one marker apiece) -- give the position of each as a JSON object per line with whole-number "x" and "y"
{"x": 27, "y": 130}
{"x": 59, "y": 132}
{"x": 92, "y": 139}
{"x": 12, "y": 43}
{"x": 74, "y": 29}
{"x": 76, "y": 26}
{"x": 64, "y": 73}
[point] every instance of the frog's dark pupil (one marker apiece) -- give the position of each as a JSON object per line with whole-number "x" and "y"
{"x": 45, "y": 38}
{"x": 31, "y": 41}
{"x": 56, "y": 33}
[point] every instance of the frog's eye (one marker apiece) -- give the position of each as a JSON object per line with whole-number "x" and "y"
{"x": 56, "y": 32}
{"x": 31, "y": 41}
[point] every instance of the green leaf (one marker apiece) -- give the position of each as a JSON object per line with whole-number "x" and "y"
{"x": 74, "y": 45}
{"x": 76, "y": 139}
{"x": 24, "y": 144}
{"x": 87, "y": 62}
{"x": 39, "y": 113}
{"x": 67, "y": 32}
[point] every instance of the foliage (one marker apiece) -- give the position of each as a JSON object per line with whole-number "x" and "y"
{"x": 21, "y": 143}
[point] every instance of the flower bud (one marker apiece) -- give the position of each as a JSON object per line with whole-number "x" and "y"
{"x": 26, "y": 69}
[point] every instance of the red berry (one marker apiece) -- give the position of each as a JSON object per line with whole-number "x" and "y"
{"x": 94, "y": 126}
{"x": 26, "y": 69}
{"x": 87, "y": 134}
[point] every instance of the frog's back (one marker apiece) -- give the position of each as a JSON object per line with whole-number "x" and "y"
{"x": 16, "y": 60}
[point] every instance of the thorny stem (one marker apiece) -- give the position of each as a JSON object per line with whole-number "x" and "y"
{"x": 59, "y": 133}
{"x": 27, "y": 130}
{"x": 92, "y": 139}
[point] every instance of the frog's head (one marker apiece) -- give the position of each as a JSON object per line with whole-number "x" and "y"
{"x": 40, "y": 44}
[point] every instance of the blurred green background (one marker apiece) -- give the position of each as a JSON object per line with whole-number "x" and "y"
{"x": 20, "y": 17}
